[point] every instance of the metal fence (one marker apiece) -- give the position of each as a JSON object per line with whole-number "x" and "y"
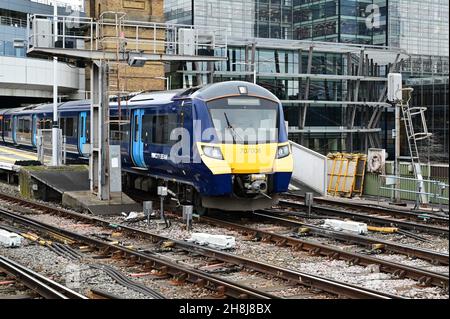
{"x": 435, "y": 191}
{"x": 44, "y": 144}
{"x": 106, "y": 32}
{"x": 432, "y": 172}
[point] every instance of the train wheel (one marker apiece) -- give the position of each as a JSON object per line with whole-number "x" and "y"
{"x": 198, "y": 208}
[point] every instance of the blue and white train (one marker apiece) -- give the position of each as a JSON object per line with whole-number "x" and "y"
{"x": 244, "y": 172}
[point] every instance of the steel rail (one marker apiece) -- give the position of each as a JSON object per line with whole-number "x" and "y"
{"x": 126, "y": 282}
{"x": 201, "y": 278}
{"x": 45, "y": 287}
{"x": 324, "y": 284}
{"x": 430, "y": 229}
{"x": 414, "y": 215}
{"x": 100, "y": 294}
{"x": 398, "y": 270}
{"x": 432, "y": 256}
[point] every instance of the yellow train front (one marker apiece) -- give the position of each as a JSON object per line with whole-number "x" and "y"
{"x": 241, "y": 154}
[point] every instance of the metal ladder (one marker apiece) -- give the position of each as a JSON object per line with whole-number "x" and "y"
{"x": 408, "y": 114}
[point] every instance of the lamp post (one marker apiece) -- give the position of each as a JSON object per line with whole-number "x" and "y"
{"x": 55, "y": 126}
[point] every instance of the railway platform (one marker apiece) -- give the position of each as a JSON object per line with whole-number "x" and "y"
{"x": 68, "y": 184}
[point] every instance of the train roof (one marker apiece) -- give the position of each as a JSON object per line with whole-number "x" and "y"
{"x": 205, "y": 92}
{"x": 221, "y": 89}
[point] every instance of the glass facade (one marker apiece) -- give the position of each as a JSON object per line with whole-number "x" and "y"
{"x": 419, "y": 26}
{"x": 345, "y": 21}
{"x": 242, "y": 19}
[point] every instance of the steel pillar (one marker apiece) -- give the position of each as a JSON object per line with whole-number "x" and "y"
{"x": 99, "y": 154}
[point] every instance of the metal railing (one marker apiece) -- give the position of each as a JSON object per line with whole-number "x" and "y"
{"x": 137, "y": 36}
{"x": 13, "y": 22}
{"x": 436, "y": 191}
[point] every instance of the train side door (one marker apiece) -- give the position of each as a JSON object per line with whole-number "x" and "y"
{"x": 185, "y": 119}
{"x": 82, "y": 129}
{"x": 137, "y": 145}
{"x": 1, "y": 128}
{"x": 33, "y": 129}
{"x": 14, "y": 127}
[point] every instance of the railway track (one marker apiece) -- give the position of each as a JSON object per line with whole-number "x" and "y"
{"x": 425, "y": 223}
{"x": 230, "y": 289}
{"x": 398, "y": 270}
{"x": 371, "y": 243}
{"x": 45, "y": 287}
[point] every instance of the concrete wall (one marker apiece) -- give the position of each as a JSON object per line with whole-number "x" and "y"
{"x": 27, "y": 77}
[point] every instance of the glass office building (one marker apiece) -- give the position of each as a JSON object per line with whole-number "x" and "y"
{"x": 418, "y": 28}
{"x": 330, "y": 20}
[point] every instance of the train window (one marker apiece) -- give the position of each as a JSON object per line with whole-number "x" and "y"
{"x": 68, "y": 128}
{"x": 45, "y": 124}
{"x": 7, "y": 125}
{"x": 26, "y": 126}
{"x": 62, "y": 123}
{"x": 147, "y": 124}
{"x": 20, "y": 127}
{"x": 114, "y": 128}
{"x": 87, "y": 129}
{"x": 157, "y": 128}
{"x": 136, "y": 128}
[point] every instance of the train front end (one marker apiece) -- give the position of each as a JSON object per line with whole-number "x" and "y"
{"x": 243, "y": 146}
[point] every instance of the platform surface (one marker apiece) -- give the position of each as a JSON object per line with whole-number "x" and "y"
{"x": 64, "y": 179}
{"x": 119, "y": 203}
{"x": 11, "y": 155}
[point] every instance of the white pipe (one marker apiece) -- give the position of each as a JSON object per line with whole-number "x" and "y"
{"x": 55, "y": 21}
{"x": 55, "y": 114}
{"x": 397, "y": 150}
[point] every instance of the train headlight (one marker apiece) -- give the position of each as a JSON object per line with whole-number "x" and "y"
{"x": 213, "y": 152}
{"x": 283, "y": 151}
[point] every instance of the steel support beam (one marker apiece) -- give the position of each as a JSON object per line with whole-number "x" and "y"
{"x": 308, "y": 84}
{"x": 99, "y": 153}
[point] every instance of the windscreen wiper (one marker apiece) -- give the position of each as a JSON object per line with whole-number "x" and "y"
{"x": 232, "y": 129}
